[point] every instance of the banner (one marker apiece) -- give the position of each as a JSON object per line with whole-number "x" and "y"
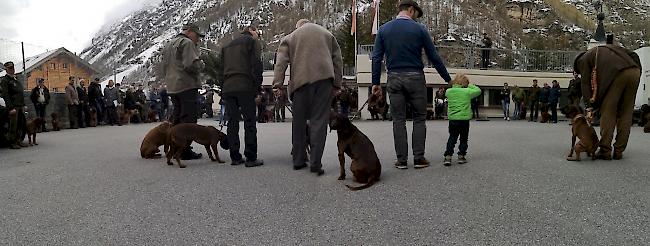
{"x": 375, "y": 19}
{"x": 354, "y": 18}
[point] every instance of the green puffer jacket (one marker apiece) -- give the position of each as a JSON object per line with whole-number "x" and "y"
{"x": 460, "y": 100}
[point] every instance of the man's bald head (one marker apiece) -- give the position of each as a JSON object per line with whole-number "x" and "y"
{"x": 301, "y": 22}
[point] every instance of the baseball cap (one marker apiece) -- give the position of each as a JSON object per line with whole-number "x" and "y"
{"x": 193, "y": 27}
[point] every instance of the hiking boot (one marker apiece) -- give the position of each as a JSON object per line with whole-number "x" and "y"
{"x": 421, "y": 163}
{"x": 618, "y": 156}
{"x": 401, "y": 165}
{"x": 191, "y": 155}
{"x": 236, "y": 162}
{"x": 301, "y": 166}
{"x": 317, "y": 171}
{"x": 254, "y": 163}
{"x": 603, "y": 155}
{"x": 447, "y": 161}
{"x": 461, "y": 159}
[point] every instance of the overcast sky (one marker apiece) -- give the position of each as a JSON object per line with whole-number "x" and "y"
{"x": 61, "y": 23}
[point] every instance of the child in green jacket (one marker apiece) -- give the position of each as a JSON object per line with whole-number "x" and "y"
{"x": 459, "y": 110}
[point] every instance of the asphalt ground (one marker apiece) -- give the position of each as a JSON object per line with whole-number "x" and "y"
{"x": 90, "y": 187}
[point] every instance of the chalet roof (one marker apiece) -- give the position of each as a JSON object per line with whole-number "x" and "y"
{"x": 36, "y": 61}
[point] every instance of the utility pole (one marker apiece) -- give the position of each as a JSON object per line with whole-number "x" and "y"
{"x": 22, "y": 46}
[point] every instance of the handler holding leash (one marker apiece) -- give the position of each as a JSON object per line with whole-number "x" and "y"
{"x": 401, "y": 41}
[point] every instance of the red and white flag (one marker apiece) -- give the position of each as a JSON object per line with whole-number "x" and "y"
{"x": 375, "y": 19}
{"x": 354, "y": 18}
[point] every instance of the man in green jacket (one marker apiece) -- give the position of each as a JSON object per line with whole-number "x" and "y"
{"x": 459, "y": 112}
{"x": 11, "y": 90}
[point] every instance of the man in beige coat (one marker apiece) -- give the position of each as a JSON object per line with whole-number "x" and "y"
{"x": 316, "y": 72}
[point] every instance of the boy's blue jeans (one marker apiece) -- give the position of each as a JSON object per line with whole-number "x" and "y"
{"x": 458, "y": 128}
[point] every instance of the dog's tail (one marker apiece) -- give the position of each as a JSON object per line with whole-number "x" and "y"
{"x": 371, "y": 181}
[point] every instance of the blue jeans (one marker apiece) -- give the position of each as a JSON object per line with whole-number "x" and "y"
{"x": 506, "y": 108}
{"x": 517, "y": 113}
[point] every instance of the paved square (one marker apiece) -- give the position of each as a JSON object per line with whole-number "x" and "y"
{"x": 90, "y": 187}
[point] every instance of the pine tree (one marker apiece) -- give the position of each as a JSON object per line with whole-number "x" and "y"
{"x": 388, "y": 9}
{"x": 345, "y": 40}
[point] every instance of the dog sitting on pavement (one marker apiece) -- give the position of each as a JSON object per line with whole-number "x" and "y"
{"x": 182, "y": 135}
{"x": 365, "y": 164}
{"x": 156, "y": 137}
{"x": 32, "y": 127}
{"x": 581, "y": 129}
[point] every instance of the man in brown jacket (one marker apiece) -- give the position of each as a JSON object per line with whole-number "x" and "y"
{"x": 316, "y": 71}
{"x": 72, "y": 99}
{"x": 618, "y": 71}
{"x": 181, "y": 69}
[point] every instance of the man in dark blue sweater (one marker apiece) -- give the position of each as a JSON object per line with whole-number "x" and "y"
{"x": 402, "y": 41}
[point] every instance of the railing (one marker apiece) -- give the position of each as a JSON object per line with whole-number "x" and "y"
{"x": 501, "y": 59}
{"x": 268, "y": 60}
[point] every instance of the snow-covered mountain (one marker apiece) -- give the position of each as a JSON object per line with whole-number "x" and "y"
{"x": 130, "y": 45}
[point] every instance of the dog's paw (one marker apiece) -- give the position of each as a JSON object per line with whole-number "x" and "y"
{"x": 572, "y": 159}
{"x": 222, "y": 162}
{"x": 35, "y": 144}
{"x": 341, "y": 177}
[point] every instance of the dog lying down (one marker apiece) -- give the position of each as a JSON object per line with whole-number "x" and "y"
{"x": 182, "y": 135}
{"x": 365, "y": 164}
{"x": 582, "y": 130}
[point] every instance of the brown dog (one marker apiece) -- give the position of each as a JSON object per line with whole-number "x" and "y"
{"x": 93, "y": 116}
{"x": 55, "y": 122}
{"x": 32, "y": 127}
{"x": 156, "y": 137}
{"x": 365, "y": 164}
{"x": 182, "y": 135}
{"x": 645, "y": 118}
{"x": 377, "y": 106}
{"x": 581, "y": 129}
{"x": 125, "y": 117}
{"x": 152, "y": 116}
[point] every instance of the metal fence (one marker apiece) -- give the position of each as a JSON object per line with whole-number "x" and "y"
{"x": 501, "y": 59}
{"x": 268, "y": 60}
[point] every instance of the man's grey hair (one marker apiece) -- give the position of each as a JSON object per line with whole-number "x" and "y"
{"x": 301, "y": 22}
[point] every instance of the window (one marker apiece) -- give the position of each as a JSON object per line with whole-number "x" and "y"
{"x": 65, "y": 65}
{"x": 53, "y": 65}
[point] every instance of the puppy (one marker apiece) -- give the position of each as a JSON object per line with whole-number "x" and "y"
{"x": 365, "y": 164}
{"x": 182, "y": 135}
{"x": 581, "y": 129}
{"x": 32, "y": 127}
{"x": 93, "y": 117}
{"x": 155, "y": 138}
{"x": 55, "y": 122}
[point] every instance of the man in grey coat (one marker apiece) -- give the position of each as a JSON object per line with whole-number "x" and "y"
{"x": 181, "y": 69}
{"x": 316, "y": 72}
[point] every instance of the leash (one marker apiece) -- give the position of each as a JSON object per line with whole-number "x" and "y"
{"x": 594, "y": 79}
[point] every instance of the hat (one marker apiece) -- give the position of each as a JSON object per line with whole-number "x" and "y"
{"x": 412, "y": 4}
{"x": 9, "y": 64}
{"x": 193, "y": 27}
